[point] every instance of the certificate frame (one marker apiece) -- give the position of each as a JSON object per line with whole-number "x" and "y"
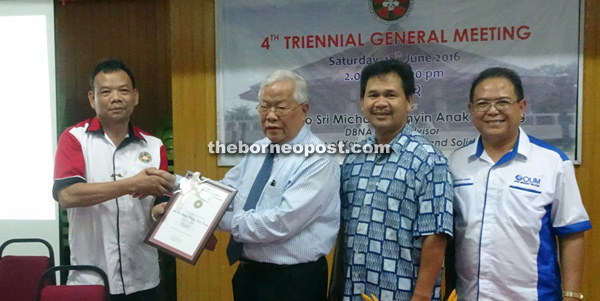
{"x": 177, "y": 223}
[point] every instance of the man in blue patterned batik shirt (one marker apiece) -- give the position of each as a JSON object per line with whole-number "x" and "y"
{"x": 396, "y": 206}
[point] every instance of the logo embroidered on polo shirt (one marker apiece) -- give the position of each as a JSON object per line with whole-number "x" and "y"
{"x": 528, "y": 180}
{"x": 145, "y": 157}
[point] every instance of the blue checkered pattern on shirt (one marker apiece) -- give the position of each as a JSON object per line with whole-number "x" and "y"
{"x": 390, "y": 202}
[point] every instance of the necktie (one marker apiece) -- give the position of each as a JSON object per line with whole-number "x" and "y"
{"x": 234, "y": 248}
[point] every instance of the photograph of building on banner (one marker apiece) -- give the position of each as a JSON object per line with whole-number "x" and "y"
{"x": 447, "y": 44}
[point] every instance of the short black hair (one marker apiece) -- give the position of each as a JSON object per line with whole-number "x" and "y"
{"x": 109, "y": 65}
{"x": 402, "y": 69}
{"x": 499, "y": 72}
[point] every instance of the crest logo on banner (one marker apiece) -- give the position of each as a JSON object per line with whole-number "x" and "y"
{"x": 390, "y": 11}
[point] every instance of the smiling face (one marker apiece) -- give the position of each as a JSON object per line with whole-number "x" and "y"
{"x": 281, "y": 129}
{"x": 113, "y": 97}
{"x": 497, "y": 127}
{"x": 386, "y": 106}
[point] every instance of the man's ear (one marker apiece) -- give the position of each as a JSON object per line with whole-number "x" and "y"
{"x": 92, "y": 99}
{"x": 304, "y": 107}
{"x": 137, "y": 96}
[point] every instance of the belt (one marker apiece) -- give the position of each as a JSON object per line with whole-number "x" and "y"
{"x": 265, "y": 266}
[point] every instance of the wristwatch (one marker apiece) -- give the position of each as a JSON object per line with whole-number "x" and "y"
{"x": 572, "y": 295}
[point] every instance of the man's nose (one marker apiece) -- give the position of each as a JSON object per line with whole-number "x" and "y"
{"x": 115, "y": 96}
{"x": 493, "y": 110}
{"x": 381, "y": 102}
{"x": 271, "y": 116}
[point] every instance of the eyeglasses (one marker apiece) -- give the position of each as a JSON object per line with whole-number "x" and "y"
{"x": 500, "y": 104}
{"x": 280, "y": 110}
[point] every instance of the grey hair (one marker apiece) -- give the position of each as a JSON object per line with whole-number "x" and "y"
{"x": 300, "y": 87}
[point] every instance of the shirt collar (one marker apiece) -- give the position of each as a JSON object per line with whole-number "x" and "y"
{"x": 521, "y": 147}
{"x": 398, "y": 142}
{"x": 96, "y": 127}
{"x": 299, "y": 137}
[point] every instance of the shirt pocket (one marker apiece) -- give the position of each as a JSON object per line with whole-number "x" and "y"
{"x": 271, "y": 197}
{"x": 522, "y": 204}
{"x": 525, "y": 191}
{"x": 465, "y": 204}
{"x": 530, "y": 196}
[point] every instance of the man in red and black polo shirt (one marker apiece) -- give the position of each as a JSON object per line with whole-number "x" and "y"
{"x": 102, "y": 176}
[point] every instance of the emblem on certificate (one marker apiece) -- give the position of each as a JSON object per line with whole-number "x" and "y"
{"x": 191, "y": 216}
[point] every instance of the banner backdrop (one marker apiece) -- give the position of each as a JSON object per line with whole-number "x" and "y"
{"x": 447, "y": 43}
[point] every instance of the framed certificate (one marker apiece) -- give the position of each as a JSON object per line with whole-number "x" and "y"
{"x": 191, "y": 216}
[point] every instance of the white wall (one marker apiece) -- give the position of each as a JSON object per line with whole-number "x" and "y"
{"x": 27, "y": 124}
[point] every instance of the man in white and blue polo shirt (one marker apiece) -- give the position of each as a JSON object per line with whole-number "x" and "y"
{"x": 396, "y": 206}
{"x": 107, "y": 173}
{"x": 514, "y": 196}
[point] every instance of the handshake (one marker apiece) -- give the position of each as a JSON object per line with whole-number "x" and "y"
{"x": 151, "y": 182}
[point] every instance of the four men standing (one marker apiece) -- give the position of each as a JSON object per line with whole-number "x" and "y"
{"x": 510, "y": 196}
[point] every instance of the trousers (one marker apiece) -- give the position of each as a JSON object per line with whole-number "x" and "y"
{"x": 272, "y": 282}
